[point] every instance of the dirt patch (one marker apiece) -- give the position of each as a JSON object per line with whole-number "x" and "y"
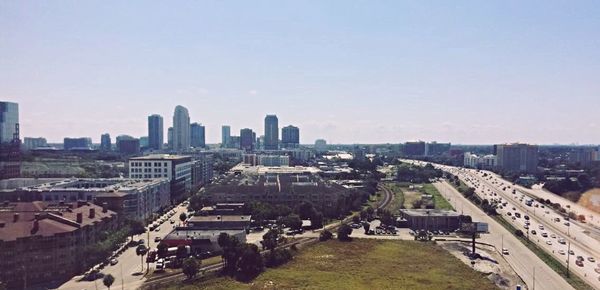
{"x": 410, "y": 197}
{"x": 491, "y": 263}
{"x": 591, "y": 200}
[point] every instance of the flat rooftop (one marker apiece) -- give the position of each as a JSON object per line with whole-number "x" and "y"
{"x": 160, "y": 157}
{"x": 428, "y": 212}
{"x": 220, "y": 218}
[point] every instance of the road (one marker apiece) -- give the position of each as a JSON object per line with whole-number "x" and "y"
{"x": 542, "y": 219}
{"x": 127, "y": 270}
{"x": 523, "y": 261}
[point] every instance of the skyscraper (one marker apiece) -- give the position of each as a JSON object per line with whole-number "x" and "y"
{"x": 517, "y": 158}
{"x": 170, "y": 137}
{"x": 105, "y": 142}
{"x": 9, "y": 118}
{"x": 155, "y": 132}
{"x": 197, "y": 135}
{"x": 225, "y": 135}
{"x": 271, "y": 132}
{"x": 290, "y": 137}
{"x": 247, "y": 139}
{"x": 181, "y": 129}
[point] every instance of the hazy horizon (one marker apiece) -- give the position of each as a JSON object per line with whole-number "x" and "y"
{"x": 345, "y": 71}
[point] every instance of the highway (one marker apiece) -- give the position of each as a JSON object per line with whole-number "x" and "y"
{"x": 127, "y": 270}
{"x": 546, "y": 227}
{"x": 530, "y": 267}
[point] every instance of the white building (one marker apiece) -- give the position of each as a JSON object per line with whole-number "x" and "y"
{"x": 32, "y": 143}
{"x": 475, "y": 161}
{"x": 176, "y": 168}
{"x": 181, "y": 129}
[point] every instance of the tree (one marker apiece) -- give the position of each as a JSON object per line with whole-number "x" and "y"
{"x": 182, "y": 217}
{"x": 370, "y": 212}
{"x": 355, "y": 219}
{"x": 162, "y": 249}
{"x": 316, "y": 221}
{"x": 366, "y": 226}
{"x": 270, "y": 239}
{"x": 190, "y": 267}
{"x": 325, "y": 235}
{"x": 108, "y": 280}
{"x": 141, "y": 250}
{"x": 293, "y": 221}
{"x": 519, "y": 233}
{"x": 136, "y": 228}
{"x": 344, "y": 232}
{"x": 181, "y": 253}
{"x": 250, "y": 262}
{"x": 305, "y": 210}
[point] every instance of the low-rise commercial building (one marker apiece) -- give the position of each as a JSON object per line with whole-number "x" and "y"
{"x": 43, "y": 242}
{"x": 130, "y": 198}
{"x": 431, "y": 219}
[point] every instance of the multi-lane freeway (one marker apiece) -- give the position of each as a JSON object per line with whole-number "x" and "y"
{"x": 568, "y": 241}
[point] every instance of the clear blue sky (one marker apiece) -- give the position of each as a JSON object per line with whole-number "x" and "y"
{"x": 346, "y": 71}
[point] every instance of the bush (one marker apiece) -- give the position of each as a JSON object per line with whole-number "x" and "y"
{"x": 278, "y": 257}
{"x": 325, "y": 235}
{"x": 519, "y": 233}
{"x": 344, "y": 233}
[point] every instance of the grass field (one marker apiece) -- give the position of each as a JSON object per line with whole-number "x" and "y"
{"x": 439, "y": 200}
{"x": 363, "y": 264}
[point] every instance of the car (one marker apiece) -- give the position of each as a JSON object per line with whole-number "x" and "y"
{"x": 562, "y": 252}
{"x": 541, "y": 227}
{"x": 526, "y": 227}
{"x": 591, "y": 259}
{"x": 157, "y": 239}
{"x": 561, "y": 241}
{"x": 114, "y": 261}
{"x": 172, "y": 221}
{"x": 545, "y": 235}
{"x": 571, "y": 252}
{"x": 580, "y": 258}
{"x": 504, "y": 251}
{"x": 533, "y": 232}
{"x": 553, "y": 236}
{"x": 567, "y": 224}
{"x": 549, "y": 242}
{"x": 157, "y": 229}
{"x": 579, "y": 263}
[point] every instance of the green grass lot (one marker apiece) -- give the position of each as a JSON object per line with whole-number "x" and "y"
{"x": 439, "y": 200}
{"x": 362, "y": 264}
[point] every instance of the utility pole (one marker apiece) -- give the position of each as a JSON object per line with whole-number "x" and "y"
{"x": 568, "y": 258}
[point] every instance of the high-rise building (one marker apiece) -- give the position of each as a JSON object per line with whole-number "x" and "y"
{"x": 197, "y": 135}
{"x": 271, "y": 132}
{"x": 170, "y": 137}
{"x": 10, "y": 144}
{"x": 32, "y": 143}
{"x": 155, "y": 132}
{"x": 290, "y": 137}
{"x": 517, "y": 158}
{"x": 247, "y": 139}
{"x": 144, "y": 143}
{"x": 320, "y": 145}
{"x": 77, "y": 143}
{"x": 416, "y": 148}
{"x": 128, "y": 145}
{"x": 225, "y": 136}
{"x": 435, "y": 149}
{"x": 181, "y": 129}
{"x": 105, "y": 143}
{"x": 9, "y": 120}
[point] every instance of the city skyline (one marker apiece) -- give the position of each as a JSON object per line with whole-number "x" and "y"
{"x": 466, "y": 73}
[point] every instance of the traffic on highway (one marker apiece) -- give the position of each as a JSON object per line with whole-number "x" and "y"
{"x": 556, "y": 233}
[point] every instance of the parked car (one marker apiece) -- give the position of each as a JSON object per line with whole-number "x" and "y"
{"x": 157, "y": 239}
{"x": 504, "y": 251}
{"x": 114, "y": 261}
